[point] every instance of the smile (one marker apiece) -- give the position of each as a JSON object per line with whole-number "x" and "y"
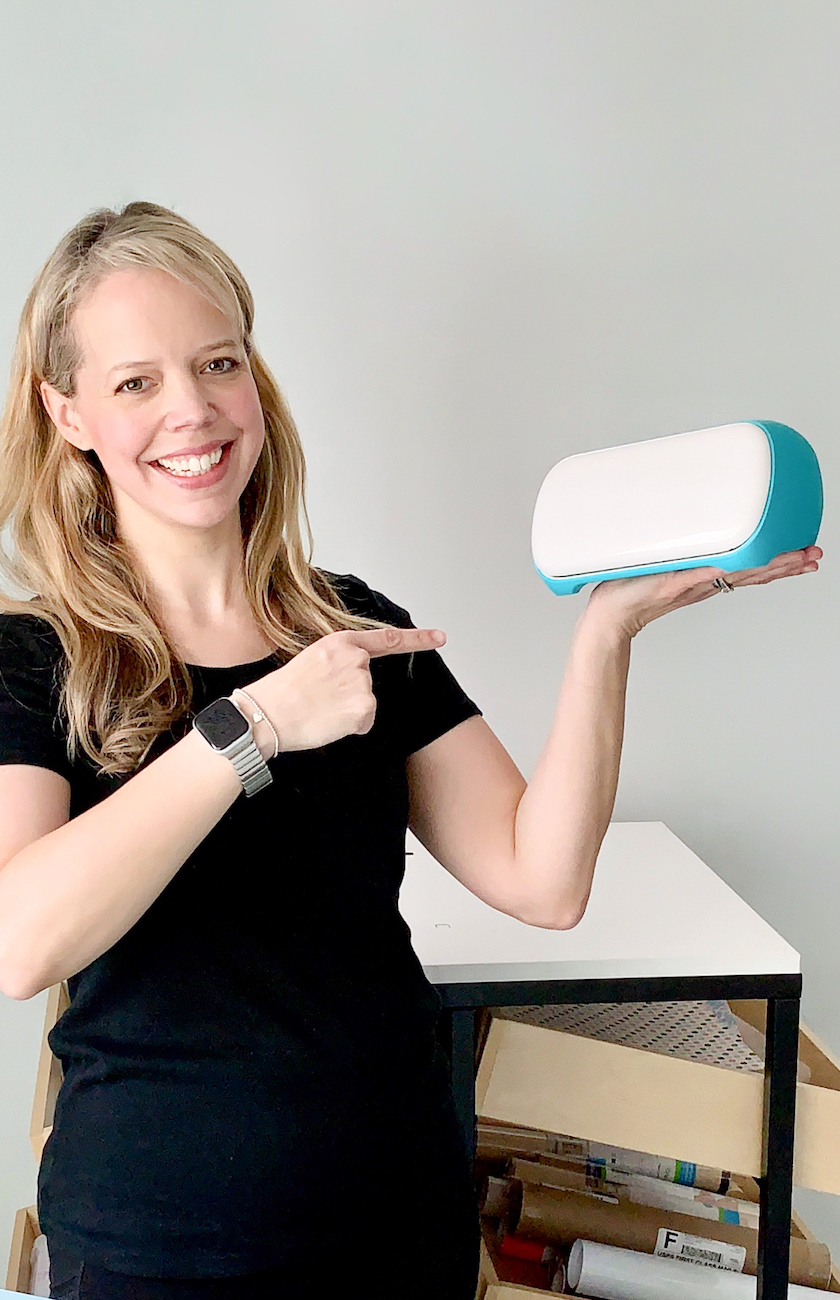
{"x": 208, "y": 468}
{"x": 192, "y": 466}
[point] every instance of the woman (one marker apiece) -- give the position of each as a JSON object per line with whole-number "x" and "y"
{"x": 254, "y": 1102}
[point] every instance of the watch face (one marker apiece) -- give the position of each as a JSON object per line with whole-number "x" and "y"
{"x": 221, "y": 723}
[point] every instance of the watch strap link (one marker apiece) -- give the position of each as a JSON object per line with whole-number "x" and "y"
{"x": 251, "y": 767}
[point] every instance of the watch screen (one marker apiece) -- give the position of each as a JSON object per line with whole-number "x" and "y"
{"x": 221, "y": 723}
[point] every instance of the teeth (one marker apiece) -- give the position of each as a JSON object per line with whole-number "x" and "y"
{"x": 191, "y": 466}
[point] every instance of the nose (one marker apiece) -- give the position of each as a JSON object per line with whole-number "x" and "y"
{"x": 186, "y": 402}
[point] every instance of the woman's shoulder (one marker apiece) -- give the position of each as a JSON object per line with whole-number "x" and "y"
{"x": 366, "y": 601}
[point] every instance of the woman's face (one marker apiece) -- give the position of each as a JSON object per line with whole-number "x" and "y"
{"x": 164, "y": 377}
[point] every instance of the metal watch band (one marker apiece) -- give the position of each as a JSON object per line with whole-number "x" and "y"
{"x": 250, "y": 766}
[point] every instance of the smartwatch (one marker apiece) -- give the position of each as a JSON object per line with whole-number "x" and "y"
{"x": 227, "y": 730}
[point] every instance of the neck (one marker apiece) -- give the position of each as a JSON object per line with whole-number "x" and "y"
{"x": 196, "y": 576}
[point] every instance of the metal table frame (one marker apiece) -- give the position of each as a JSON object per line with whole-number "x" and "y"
{"x": 782, "y": 992}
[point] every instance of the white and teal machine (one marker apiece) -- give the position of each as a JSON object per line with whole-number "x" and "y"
{"x": 733, "y": 497}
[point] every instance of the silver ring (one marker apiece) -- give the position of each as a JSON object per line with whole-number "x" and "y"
{"x": 723, "y": 585}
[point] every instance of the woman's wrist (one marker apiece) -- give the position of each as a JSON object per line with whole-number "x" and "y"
{"x": 265, "y": 734}
{"x": 603, "y": 626}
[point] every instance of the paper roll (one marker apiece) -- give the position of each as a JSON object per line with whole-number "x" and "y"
{"x": 609, "y": 1273}
{"x": 565, "y": 1177}
{"x": 594, "y": 1158}
{"x": 560, "y": 1217}
{"x": 558, "y": 1282}
{"x": 639, "y": 1189}
{"x": 497, "y": 1141}
{"x": 39, "y": 1268}
{"x": 608, "y": 1160}
{"x": 495, "y": 1197}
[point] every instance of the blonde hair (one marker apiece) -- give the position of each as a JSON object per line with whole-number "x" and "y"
{"x": 122, "y": 683}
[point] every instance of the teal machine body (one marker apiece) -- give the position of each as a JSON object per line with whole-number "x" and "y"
{"x": 732, "y": 497}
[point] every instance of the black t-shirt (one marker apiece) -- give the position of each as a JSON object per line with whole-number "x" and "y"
{"x": 265, "y": 1024}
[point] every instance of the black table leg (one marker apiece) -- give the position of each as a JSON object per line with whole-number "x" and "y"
{"x": 462, "y": 1058}
{"x": 780, "y": 1069}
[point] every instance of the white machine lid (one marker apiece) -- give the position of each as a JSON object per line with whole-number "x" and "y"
{"x": 683, "y": 496}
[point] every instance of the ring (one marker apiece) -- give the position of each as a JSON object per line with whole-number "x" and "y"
{"x": 723, "y": 585}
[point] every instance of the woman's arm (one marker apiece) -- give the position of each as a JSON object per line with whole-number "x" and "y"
{"x": 69, "y": 894}
{"x": 530, "y": 849}
{"x": 70, "y": 889}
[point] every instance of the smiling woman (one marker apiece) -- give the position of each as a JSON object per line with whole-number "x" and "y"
{"x": 247, "y": 1019}
{"x": 250, "y": 1053}
{"x": 103, "y": 517}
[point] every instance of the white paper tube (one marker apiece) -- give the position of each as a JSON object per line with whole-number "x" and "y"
{"x": 596, "y": 1156}
{"x": 39, "y": 1266}
{"x": 609, "y": 1273}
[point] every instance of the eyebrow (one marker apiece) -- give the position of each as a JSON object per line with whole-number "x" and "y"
{"x": 208, "y": 347}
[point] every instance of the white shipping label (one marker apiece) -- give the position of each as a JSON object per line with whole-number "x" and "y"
{"x": 700, "y": 1250}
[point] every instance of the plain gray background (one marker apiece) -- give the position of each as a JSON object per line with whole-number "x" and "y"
{"x": 483, "y": 235}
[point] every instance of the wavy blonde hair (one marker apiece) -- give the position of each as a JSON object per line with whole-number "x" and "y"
{"x": 122, "y": 682}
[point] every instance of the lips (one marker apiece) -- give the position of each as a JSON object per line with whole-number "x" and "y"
{"x": 204, "y": 450}
{"x": 193, "y": 482}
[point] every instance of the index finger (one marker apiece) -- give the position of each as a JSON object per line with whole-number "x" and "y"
{"x": 397, "y": 640}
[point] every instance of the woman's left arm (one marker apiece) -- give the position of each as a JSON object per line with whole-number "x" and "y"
{"x": 530, "y": 849}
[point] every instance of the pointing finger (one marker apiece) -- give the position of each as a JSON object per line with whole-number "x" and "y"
{"x": 397, "y": 640}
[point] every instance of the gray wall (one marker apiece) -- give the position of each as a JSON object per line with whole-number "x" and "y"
{"x": 483, "y": 236}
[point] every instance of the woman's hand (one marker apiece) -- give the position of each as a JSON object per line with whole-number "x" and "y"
{"x": 326, "y": 691}
{"x": 631, "y": 603}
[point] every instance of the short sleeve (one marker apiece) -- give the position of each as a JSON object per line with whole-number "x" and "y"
{"x": 30, "y": 728}
{"x": 419, "y": 694}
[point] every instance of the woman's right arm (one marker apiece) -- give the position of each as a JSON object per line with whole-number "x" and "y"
{"x": 69, "y": 889}
{"x": 75, "y": 887}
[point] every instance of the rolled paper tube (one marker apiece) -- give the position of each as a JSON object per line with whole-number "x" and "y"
{"x": 561, "y": 1217}
{"x": 39, "y": 1267}
{"x": 639, "y": 1189}
{"x": 495, "y": 1197}
{"x": 608, "y": 1273}
{"x": 689, "y": 1200}
{"x": 525, "y": 1248}
{"x": 562, "y": 1179}
{"x": 509, "y": 1142}
{"x": 567, "y": 1177}
{"x": 558, "y": 1281}
{"x": 522, "y": 1272}
{"x": 598, "y": 1157}
{"x": 745, "y": 1188}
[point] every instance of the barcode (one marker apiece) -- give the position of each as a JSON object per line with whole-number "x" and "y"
{"x": 694, "y": 1253}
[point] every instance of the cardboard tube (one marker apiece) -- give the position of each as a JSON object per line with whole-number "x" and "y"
{"x": 608, "y": 1160}
{"x": 566, "y": 1177}
{"x": 495, "y": 1197}
{"x": 499, "y": 1143}
{"x": 640, "y": 1190}
{"x": 607, "y": 1273}
{"x": 558, "y": 1281}
{"x": 561, "y": 1217}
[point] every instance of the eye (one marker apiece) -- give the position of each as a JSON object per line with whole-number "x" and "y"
{"x": 230, "y": 362}
{"x": 124, "y": 386}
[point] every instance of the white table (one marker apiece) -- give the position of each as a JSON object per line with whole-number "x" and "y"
{"x": 660, "y": 925}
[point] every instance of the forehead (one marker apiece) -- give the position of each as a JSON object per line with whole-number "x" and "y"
{"x": 145, "y": 312}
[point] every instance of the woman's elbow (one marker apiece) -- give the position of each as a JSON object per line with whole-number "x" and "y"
{"x": 18, "y": 984}
{"x": 566, "y": 918}
{"x": 18, "y": 979}
{"x": 562, "y": 914}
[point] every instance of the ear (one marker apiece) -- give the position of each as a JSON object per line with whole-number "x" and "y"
{"x": 62, "y": 412}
